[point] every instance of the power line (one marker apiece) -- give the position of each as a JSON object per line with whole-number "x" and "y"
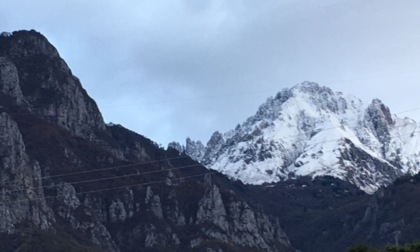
{"x": 172, "y": 169}
{"x": 109, "y": 178}
{"x": 104, "y": 169}
{"x": 162, "y": 160}
{"x": 406, "y": 111}
{"x": 120, "y": 187}
{"x": 147, "y": 183}
{"x": 150, "y": 172}
{"x": 180, "y": 157}
{"x": 111, "y": 168}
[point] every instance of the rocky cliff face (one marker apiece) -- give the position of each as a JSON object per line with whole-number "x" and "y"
{"x": 10, "y": 81}
{"x": 309, "y": 130}
{"x": 22, "y": 201}
{"x": 46, "y": 83}
{"x": 69, "y": 180}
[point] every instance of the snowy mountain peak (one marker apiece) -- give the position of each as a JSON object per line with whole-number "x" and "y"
{"x": 311, "y": 88}
{"x": 309, "y": 130}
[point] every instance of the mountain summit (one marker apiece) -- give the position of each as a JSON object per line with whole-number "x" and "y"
{"x": 38, "y": 79}
{"x": 309, "y": 130}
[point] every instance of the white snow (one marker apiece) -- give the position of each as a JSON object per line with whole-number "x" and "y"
{"x": 309, "y": 130}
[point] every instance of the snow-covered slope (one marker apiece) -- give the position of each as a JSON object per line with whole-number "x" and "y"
{"x": 311, "y": 130}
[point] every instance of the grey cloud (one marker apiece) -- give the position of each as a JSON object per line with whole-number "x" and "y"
{"x": 172, "y": 69}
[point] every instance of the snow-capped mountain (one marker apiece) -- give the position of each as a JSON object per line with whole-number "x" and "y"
{"x": 309, "y": 130}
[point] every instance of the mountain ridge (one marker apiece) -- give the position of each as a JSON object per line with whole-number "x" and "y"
{"x": 71, "y": 182}
{"x": 309, "y": 130}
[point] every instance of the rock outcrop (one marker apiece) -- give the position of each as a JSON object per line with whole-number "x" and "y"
{"x": 22, "y": 196}
{"x": 47, "y": 83}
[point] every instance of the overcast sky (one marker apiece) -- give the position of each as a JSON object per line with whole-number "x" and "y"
{"x": 177, "y": 68}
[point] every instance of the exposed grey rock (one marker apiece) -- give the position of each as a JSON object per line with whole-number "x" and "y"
{"x": 9, "y": 80}
{"x": 251, "y": 228}
{"x": 22, "y": 196}
{"x": 68, "y": 194}
{"x": 173, "y": 212}
{"x": 52, "y": 91}
{"x": 150, "y": 240}
{"x": 195, "y": 149}
{"x": 5, "y": 34}
{"x": 238, "y": 223}
{"x": 196, "y": 242}
{"x": 380, "y": 121}
{"x": 177, "y": 146}
{"x": 157, "y": 238}
{"x": 82, "y": 218}
{"x": 30, "y": 43}
{"x": 213, "y": 146}
{"x": 171, "y": 179}
{"x": 156, "y": 207}
{"x": 100, "y": 236}
{"x": 117, "y": 211}
{"x": 211, "y": 209}
{"x": 154, "y": 203}
{"x": 175, "y": 239}
{"x": 149, "y": 194}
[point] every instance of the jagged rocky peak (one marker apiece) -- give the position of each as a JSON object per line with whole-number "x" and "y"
{"x": 380, "y": 117}
{"x": 322, "y": 97}
{"x": 307, "y": 98}
{"x": 310, "y": 130}
{"x": 309, "y": 88}
{"x": 216, "y": 140}
{"x": 32, "y": 71}
{"x": 26, "y": 44}
{"x": 177, "y": 146}
{"x": 195, "y": 149}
